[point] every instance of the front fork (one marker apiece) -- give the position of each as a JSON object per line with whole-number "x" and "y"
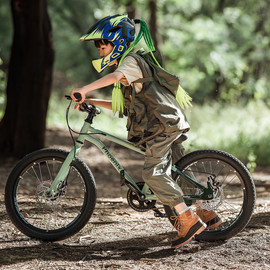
{"x": 64, "y": 171}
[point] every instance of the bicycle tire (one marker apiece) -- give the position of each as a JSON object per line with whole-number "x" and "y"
{"x": 237, "y": 194}
{"x": 38, "y": 216}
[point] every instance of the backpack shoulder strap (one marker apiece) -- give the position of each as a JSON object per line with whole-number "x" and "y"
{"x": 145, "y": 70}
{"x": 143, "y": 80}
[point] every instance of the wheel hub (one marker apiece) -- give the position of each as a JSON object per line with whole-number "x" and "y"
{"x": 43, "y": 197}
{"x": 218, "y": 196}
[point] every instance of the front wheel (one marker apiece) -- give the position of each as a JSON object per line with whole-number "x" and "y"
{"x": 43, "y": 217}
{"x": 233, "y": 201}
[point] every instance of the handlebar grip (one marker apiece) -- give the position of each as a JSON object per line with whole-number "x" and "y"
{"x": 78, "y": 96}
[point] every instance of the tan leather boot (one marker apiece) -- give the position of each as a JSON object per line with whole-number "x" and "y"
{"x": 211, "y": 218}
{"x": 188, "y": 224}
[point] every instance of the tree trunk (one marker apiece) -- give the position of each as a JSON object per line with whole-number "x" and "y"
{"x": 153, "y": 22}
{"x": 131, "y": 9}
{"x": 22, "y": 128}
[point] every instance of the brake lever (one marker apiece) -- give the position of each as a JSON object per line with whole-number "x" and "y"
{"x": 84, "y": 106}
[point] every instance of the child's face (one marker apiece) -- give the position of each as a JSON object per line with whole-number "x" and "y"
{"x": 104, "y": 49}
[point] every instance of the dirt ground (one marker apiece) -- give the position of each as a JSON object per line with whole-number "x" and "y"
{"x": 117, "y": 237}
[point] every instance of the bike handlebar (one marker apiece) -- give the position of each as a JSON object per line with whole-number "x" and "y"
{"x": 78, "y": 96}
{"x": 85, "y": 106}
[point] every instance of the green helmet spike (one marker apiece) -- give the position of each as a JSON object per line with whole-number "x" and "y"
{"x": 182, "y": 97}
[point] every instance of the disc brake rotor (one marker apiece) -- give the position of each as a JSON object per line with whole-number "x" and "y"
{"x": 214, "y": 203}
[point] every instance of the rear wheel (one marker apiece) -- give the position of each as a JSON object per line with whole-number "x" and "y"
{"x": 43, "y": 217}
{"x": 233, "y": 201}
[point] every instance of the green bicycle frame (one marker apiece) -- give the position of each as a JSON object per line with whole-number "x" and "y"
{"x": 85, "y": 134}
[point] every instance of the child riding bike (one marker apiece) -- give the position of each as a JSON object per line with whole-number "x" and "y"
{"x": 155, "y": 118}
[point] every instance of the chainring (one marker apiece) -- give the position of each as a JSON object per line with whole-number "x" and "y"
{"x": 138, "y": 204}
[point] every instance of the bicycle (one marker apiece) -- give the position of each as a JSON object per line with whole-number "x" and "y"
{"x": 51, "y": 193}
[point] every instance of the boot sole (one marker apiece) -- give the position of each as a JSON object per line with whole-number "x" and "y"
{"x": 195, "y": 230}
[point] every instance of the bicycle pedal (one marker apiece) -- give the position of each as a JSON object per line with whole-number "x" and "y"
{"x": 158, "y": 213}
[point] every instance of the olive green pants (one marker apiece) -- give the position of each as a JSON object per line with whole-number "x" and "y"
{"x": 161, "y": 152}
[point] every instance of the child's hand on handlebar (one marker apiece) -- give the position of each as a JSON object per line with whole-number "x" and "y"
{"x": 78, "y": 95}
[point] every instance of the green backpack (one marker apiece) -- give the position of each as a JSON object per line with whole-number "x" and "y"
{"x": 163, "y": 77}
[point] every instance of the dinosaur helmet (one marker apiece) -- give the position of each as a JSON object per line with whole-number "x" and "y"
{"x": 118, "y": 29}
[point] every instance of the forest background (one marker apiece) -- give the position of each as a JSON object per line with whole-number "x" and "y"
{"x": 218, "y": 48}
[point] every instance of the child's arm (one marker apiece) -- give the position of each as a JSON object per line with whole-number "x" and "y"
{"x": 99, "y": 102}
{"x": 100, "y": 83}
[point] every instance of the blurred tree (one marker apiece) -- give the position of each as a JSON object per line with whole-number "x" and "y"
{"x": 5, "y": 37}
{"x": 22, "y": 128}
{"x": 131, "y": 9}
{"x": 70, "y": 21}
{"x": 219, "y": 48}
{"x": 153, "y": 21}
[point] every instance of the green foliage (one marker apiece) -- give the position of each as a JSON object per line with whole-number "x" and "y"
{"x": 106, "y": 121}
{"x": 220, "y": 50}
{"x": 5, "y": 37}
{"x": 70, "y": 20}
{"x": 69, "y": 24}
{"x": 5, "y": 30}
{"x": 240, "y": 130}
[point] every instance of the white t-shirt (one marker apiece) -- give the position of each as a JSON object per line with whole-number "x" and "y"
{"x": 130, "y": 69}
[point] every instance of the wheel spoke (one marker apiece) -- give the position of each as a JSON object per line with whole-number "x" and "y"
{"x": 45, "y": 209}
{"x": 49, "y": 171}
{"x": 226, "y": 203}
{"x": 229, "y": 192}
{"x": 232, "y": 186}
